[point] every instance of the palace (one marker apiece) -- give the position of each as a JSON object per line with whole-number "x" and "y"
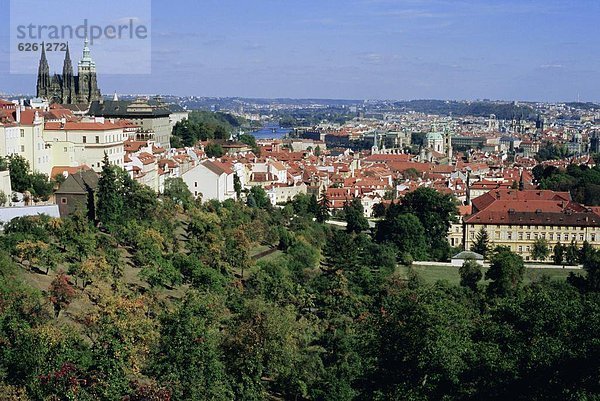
{"x": 517, "y": 218}
{"x": 68, "y": 88}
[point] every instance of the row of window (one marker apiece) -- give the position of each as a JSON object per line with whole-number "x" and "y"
{"x": 533, "y": 236}
{"x": 554, "y": 228}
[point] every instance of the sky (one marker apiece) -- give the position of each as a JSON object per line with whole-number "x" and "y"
{"x": 540, "y": 50}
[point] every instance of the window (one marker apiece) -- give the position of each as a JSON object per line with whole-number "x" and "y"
{"x": 63, "y": 201}
{"x": 97, "y": 139}
{"x": 85, "y": 139}
{"x": 65, "y": 150}
{"x": 22, "y": 133}
{"x": 509, "y": 235}
{"x": 196, "y": 184}
{"x": 520, "y": 248}
{"x": 22, "y": 148}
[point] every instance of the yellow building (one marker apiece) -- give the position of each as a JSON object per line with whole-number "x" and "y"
{"x": 77, "y": 143}
{"x": 517, "y": 218}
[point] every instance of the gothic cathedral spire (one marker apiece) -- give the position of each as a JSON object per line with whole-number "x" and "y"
{"x": 43, "y": 78}
{"x": 68, "y": 93}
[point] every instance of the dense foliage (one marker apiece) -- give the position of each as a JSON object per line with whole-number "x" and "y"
{"x": 22, "y": 179}
{"x": 581, "y": 181}
{"x": 165, "y": 298}
{"x": 203, "y": 125}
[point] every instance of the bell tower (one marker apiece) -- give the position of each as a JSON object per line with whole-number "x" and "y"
{"x": 87, "y": 80}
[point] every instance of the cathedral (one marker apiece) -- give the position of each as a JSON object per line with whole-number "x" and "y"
{"x": 68, "y": 88}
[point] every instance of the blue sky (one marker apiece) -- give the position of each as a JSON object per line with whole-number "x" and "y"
{"x": 361, "y": 49}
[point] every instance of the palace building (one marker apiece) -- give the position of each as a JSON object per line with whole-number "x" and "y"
{"x": 516, "y": 219}
{"x": 67, "y": 88}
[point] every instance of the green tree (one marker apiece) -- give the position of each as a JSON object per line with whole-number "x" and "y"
{"x": 540, "y": 249}
{"x": 558, "y": 254}
{"x": 187, "y": 356}
{"x": 481, "y": 245}
{"x": 237, "y": 186}
{"x": 506, "y": 272}
{"x": 177, "y": 190}
{"x": 214, "y": 150}
{"x": 436, "y": 212}
{"x": 110, "y": 203}
{"x": 250, "y": 140}
{"x": 356, "y": 222}
{"x": 405, "y": 231}
{"x": 259, "y": 197}
{"x": 585, "y": 252}
{"x": 40, "y": 186}
{"x": 470, "y": 274}
{"x": 324, "y": 205}
{"x": 19, "y": 173}
{"x": 572, "y": 254}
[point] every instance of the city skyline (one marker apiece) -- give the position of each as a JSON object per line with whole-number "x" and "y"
{"x": 365, "y": 49}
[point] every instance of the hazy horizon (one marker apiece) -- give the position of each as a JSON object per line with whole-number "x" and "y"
{"x": 537, "y": 51}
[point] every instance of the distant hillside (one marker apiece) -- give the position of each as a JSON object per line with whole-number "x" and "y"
{"x": 481, "y": 109}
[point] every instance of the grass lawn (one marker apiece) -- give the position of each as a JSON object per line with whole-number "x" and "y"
{"x": 431, "y": 274}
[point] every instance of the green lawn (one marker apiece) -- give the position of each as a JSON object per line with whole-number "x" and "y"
{"x": 431, "y": 274}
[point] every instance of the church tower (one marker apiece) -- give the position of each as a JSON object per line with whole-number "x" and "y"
{"x": 448, "y": 144}
{"x": 43, "y": 78}
{"x": 68, "y": 90}
{"x": 88, "y": 84}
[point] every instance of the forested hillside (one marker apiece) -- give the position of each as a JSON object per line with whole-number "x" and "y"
{"x": 168, "y": 298}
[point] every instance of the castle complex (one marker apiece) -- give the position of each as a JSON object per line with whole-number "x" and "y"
{"x": 68, "y": 88}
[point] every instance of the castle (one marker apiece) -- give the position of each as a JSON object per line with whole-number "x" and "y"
{"x": 68, "y": 88}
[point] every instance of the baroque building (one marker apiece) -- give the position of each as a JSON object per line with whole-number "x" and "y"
{"x": 67, "y": 88}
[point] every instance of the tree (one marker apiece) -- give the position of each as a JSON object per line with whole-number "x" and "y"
{"x": 177, "y": 190}
{"x": 259, "y": 197}
{"x": 356, "y": 222}
{"x": 250, "y": 140}
{"x": 324, "y": 204}
{"x": 19, "y": 173}
{"x": 237, "y": 186}
{"x": 110, "y": 202}
{"x": 41, "y": 187}
{"x": 540, "y": 249}
{"x": 213, "y": 150}
{"x": 340, "y": 252}
{"x": 592, "y": 267}
{"x": 405, "y": 231}
{"x": 558, "y": 254}
{"x": 436, "y": 211}
{"x": 481, "y": 245}
{"x": 470, "y": 274}
{"x": 572, "y": 254}
{"x": 95, "y": 267}
{"x": 61, "y": 293}
{"x": 317, "y": 151}
{"x": 32, "y": 251}
{"x": 586, "y": 252}
{"x": 506, "y": 272}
